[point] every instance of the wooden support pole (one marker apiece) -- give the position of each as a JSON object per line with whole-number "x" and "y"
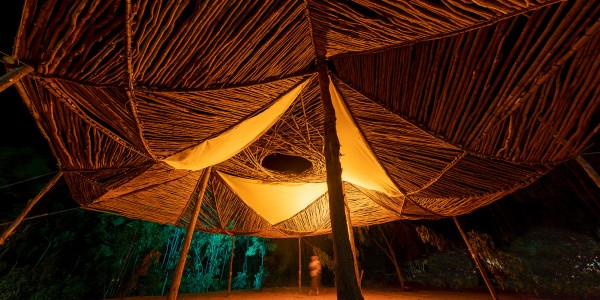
{"x": 352, "y": 244}
{"x": 299, "y": 267}
{"x": 231, "y": 265}
{"x": 588, "y": 169}
{"x": 199, "y": 195}
{"x": 13, "y": 75}
{"x": 345, "y": 278}
{"x": 27, "y": 208}
{"x": 474, "y": 255}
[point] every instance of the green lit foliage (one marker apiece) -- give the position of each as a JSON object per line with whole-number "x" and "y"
{"x": 394, "y": 242}
{"x": 545, "y": 262}
{"x": 449, "y": 266}
{"x": 207, "y": 261}
{"x": 47, "y": 260}
{"x": 501, "y": 265}
{"x": 453, "y": 269}
{"x": 556, "y": 262}
{"x": 259, "y": 246}
{"x": 87, "y": 255}
{"x": 428, "y": 236}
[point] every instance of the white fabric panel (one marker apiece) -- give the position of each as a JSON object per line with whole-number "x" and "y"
{"x": 231, "y": 142}
{"x": 359, "y": 164}
{"x": 275, "y": 202}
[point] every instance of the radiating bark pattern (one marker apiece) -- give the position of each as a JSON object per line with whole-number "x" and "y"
{"x": 313, "y": 220}
{"x": 159, "y": 194}
{"x": 295, "y": 133}
{"x": 174, "y": 121}
{"x": 216, "y": 43}
{"x": 80, "y": 40}
{"x": 224, "y": 212}
{"x": 410, "y": 155}
{"x": 367, "y": 25}
{"x": 498, "y": 90}
{"x": 79, "y": 141}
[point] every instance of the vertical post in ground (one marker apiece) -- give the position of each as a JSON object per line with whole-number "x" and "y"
{"x": 299, "y": 267}
{"x": 352, "y": 244}
{"x": 474, "y": 255}
{"x": 230, "y": 265}
{"x": 199, "y": 196}
{"x": 345, "y": 278}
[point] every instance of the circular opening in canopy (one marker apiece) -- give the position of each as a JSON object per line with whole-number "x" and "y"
{"x": 286, "y": 163}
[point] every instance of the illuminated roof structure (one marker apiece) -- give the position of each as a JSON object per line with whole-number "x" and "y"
{"x": 442, "y": 107}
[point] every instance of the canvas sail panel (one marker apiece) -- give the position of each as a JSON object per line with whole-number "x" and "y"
{"x": 275, "y": 201}
{"x": 228, "y": 144}
{"x": 359, "y": 164}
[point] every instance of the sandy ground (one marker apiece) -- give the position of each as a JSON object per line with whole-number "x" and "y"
{"x": 330, "y": 294}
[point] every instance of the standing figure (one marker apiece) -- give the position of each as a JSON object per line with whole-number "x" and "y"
{"x": 314, "y": 268}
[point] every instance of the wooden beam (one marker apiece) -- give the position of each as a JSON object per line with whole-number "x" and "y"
{"x": 13, "y": 75}
{"x": 230, "y": 265}
{"x": 199, "y": 195}
{"x": 299, "y": 267}
{"x": 351, "y": 236}
{"x": 28, "y": 207}
{"x": 474, "y": 255}
{"x": 588, "y": 169}
{"x": 345, "y": 278}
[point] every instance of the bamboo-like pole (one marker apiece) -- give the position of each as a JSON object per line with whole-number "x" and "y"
{"x": 352, "y": 244}
{"x": 345, "y": 279}
{"x": 588, "y": 169}
{"x": 174, "y": 290}
{"x": 230, "y": 265}
{"x": 299, "y": 267}
{"x": 13, "y": 75}
{"x": 27, "y": 208}
{"x": 474, "y": 255}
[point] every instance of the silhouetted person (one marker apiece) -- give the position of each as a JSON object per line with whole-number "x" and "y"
{"x": 314, "y": 268}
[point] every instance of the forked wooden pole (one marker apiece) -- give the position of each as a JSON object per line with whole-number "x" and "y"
{"x": 27, "y": 208}
{"x": 199, "y": 195}
{"x": 474, "y": 255}
{"x": 299, "y": 267}
{"x": 230, "y": 265}
{"x": 346, "y": 282}
{"x": 13, "y": 75}
{"x": 588, "y": 169}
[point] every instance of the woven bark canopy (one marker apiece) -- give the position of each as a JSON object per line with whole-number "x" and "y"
{"x": 442, "y": 107}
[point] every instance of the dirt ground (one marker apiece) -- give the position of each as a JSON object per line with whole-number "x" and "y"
{"x": 330, "y": 294}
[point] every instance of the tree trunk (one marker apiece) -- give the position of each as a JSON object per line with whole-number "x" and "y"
{"x": 345, "y": 279}
{"x": 398, "y": 270}
{"x": 199, "y": 195}
{"x": 299, "y": 267}
{"x": 351, "y": 236}
{"x": 392, "y": 256}
{"x": 231, "y": 265}
{"x": 27, "y": 208}
{"x": 474, "y": 255}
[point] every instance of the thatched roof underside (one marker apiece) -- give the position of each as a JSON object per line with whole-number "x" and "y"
{"x": 459, "y": 103}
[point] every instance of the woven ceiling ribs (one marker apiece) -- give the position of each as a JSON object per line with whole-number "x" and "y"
{"x": 450, "y": 105}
